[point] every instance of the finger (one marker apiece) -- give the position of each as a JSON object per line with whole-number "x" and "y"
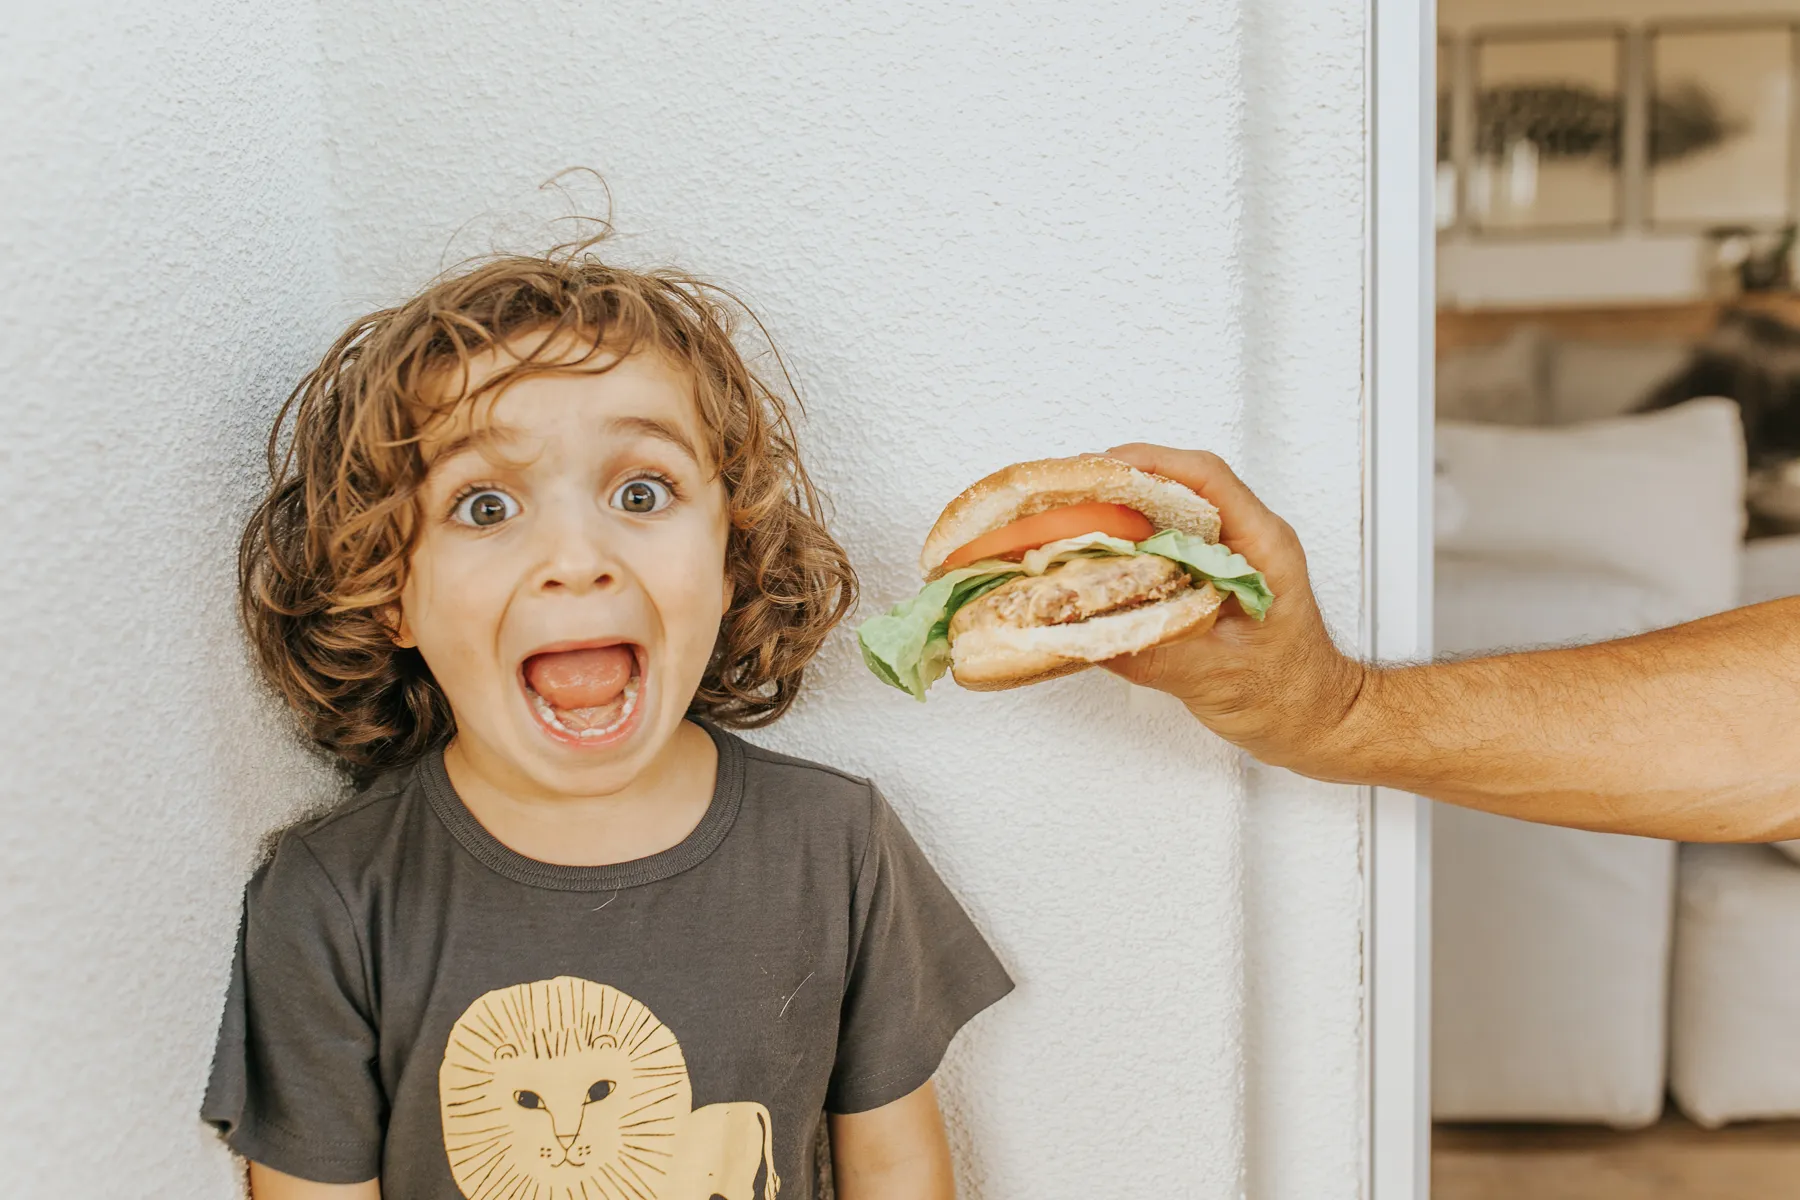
{"x": 1201, "y": 470}
{"x": 1243, "y": 517}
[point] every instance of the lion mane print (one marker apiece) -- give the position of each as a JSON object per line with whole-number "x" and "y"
{"x": 566, "y": 1089}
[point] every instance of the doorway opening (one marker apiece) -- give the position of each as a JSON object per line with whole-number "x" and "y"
{"x": 1615, "y": 191}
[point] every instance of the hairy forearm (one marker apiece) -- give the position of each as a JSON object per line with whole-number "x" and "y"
{"x": 1690, "y": 733}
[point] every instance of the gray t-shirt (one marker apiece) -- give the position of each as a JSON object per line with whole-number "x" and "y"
{"x": 412, "y": 1000}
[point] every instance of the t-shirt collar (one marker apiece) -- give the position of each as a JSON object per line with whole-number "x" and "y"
{"x": 721, "y": 812}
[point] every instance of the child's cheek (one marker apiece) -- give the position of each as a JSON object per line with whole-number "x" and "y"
{"x": 453, "y": 600}
{"x": 696, "y": 593}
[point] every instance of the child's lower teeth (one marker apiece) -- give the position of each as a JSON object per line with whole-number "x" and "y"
{"x": 549, "y": 713}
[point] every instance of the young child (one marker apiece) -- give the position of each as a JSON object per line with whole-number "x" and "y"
{"x": 538, "y": 534}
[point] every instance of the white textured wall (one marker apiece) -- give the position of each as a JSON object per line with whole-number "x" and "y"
{"x": 163, "y": 226}
{"x": 980, "y": 232}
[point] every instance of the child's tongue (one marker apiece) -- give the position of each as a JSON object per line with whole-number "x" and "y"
{"x": 571, "y": 680}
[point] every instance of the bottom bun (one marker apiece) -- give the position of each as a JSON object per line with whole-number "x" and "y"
{"x": 993, "y": 658}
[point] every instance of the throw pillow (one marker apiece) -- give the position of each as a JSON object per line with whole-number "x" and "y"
{"x": 1654, "y": 497}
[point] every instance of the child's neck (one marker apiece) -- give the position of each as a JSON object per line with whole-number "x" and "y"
{"x": 658, "y": 811}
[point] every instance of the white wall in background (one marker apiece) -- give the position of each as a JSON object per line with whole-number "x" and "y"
{"x": 164, "y": 229}
{"x": 980, "y": 233}
{"x": 985, "y": 233}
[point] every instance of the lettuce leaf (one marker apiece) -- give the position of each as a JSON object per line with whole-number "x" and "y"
{"x": 1216, "y": 565}
{"x": 908, "y": 646}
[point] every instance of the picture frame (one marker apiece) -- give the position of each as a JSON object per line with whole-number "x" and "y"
{"x": 1721, "y": 99}
{"x": 1545, "y": 154}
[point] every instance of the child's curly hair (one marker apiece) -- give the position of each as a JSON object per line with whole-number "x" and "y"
{"x": 323, "y": 559}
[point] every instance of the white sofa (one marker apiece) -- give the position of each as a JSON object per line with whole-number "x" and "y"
{"x": 1734, "y": 1034}
{"x": 1579, "y": 976}
{"x": 1552, "y": 946}
{"x": 1565, "y": 962}
{"x": 1583, "y": 976}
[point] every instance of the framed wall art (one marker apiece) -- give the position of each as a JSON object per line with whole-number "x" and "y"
{"x": 1721, "y": 124}
{"x": 1548, "y": 115}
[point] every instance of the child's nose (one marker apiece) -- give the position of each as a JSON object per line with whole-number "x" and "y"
{"x": 577, "y": 560}
{"x": 570, "y": 581}
{"x": 578, "y": 573}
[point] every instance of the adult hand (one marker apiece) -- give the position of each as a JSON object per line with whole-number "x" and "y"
{"x": 1278, "y": 687}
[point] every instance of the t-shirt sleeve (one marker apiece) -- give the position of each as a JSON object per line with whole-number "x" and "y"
{"x": 294, "y": 1084}
{"x": 919, "y": 971}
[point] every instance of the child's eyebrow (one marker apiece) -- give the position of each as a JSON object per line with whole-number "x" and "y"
{"x": 652, "y": 428}
{"x": 492, "y": 435}
{"x": 473, "y": 439}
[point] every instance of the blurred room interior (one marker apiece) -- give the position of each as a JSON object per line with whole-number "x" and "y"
{"x": 1618, "y": 397}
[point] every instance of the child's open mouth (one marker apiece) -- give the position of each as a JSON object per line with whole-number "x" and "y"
{"x": 588, "y": 694}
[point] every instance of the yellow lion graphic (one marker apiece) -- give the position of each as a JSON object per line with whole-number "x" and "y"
{"x": 564, "y": 1089}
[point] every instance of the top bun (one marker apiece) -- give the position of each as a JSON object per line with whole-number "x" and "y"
{"x": 1028, "y": 488}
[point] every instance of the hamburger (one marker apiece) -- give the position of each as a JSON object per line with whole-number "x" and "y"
{"x": 1046, "y": 568}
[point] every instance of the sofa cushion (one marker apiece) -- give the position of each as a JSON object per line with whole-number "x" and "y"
{"x": 1654, "y": 498}
{"x": 1735, "y": 986}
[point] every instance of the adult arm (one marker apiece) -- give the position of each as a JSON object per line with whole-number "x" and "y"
{"x": 269, "y": 1184}
{"x": 895, "y": 1152}
{"x": 1689, "y": 733}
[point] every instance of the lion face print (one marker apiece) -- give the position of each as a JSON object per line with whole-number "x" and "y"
{"x": 566, "y": 1089}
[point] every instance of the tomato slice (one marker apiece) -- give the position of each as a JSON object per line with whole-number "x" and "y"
{"x": 1028, "y": 533}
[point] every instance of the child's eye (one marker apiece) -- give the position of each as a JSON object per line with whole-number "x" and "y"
{"x": 643, "y": 496}
{"x": 484, "y": 508}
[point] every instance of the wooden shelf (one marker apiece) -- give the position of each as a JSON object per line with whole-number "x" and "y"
{"x": 1679, "y": 320}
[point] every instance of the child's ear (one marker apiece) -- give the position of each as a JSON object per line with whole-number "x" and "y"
{"x": 393, "y": 617}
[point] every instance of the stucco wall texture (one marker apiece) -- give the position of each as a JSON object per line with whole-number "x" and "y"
{"x": 979, "y": 233}
{"x": 168, "y": 273}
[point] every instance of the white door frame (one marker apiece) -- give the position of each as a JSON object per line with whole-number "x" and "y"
{"x": 1399, "y": 304}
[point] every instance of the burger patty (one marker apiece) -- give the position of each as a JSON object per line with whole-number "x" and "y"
{"x": 1074, "y": 591}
